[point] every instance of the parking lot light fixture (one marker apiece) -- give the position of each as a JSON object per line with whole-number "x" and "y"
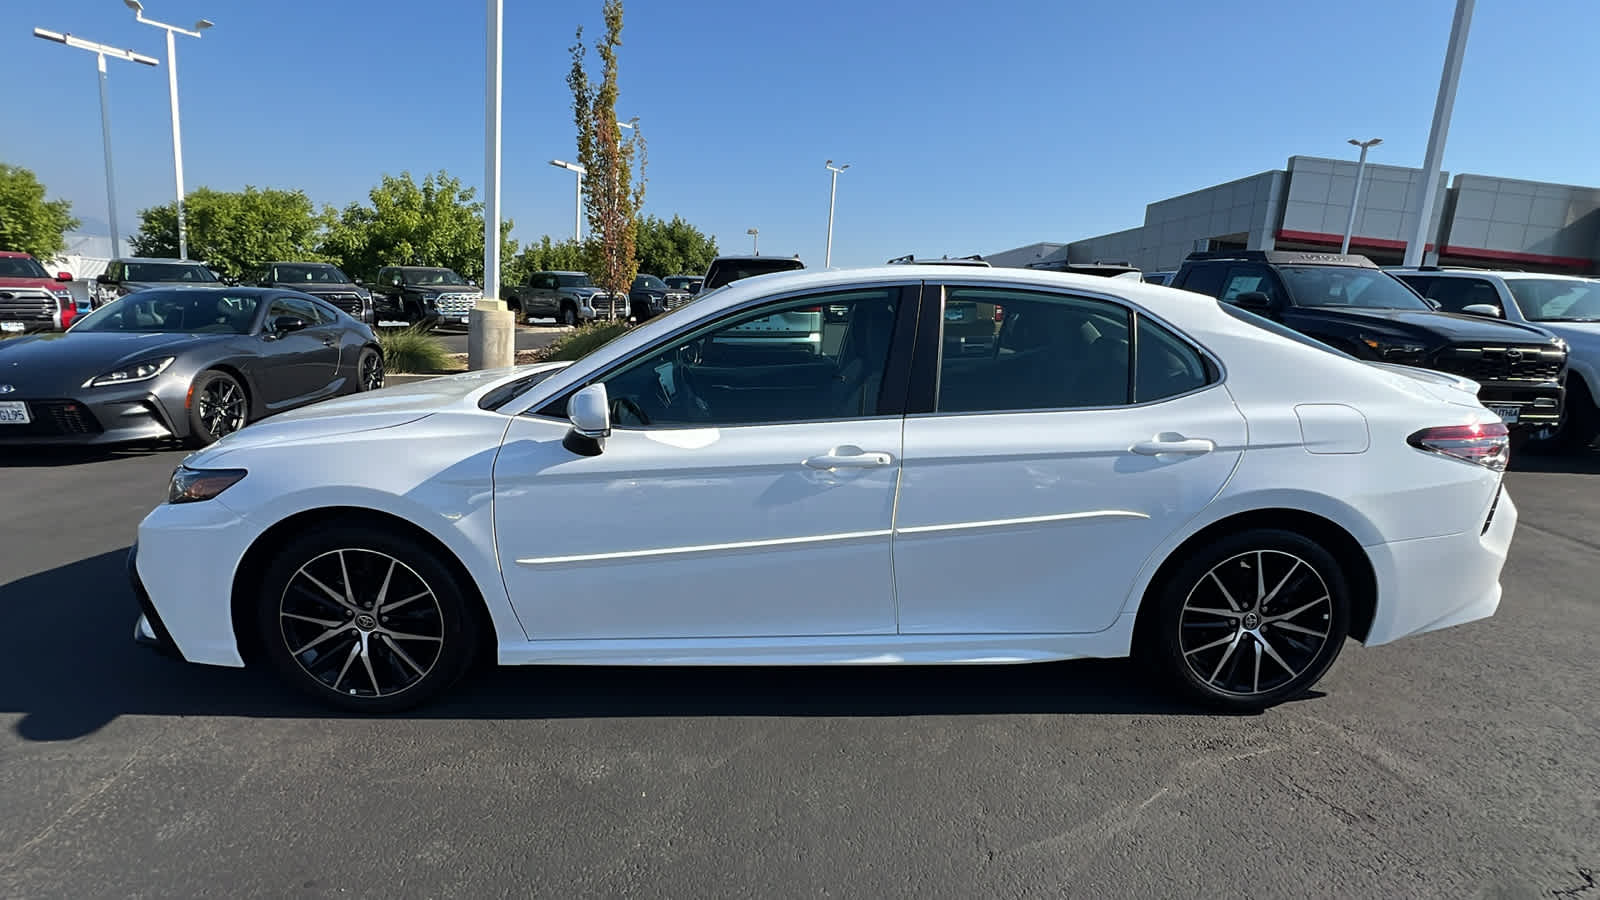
{"x": 755, "y": 240}
{"x": 101, "y": 51}
{"x": 172, "y": 90}
{"x": 1355, "y": 195}
{"x": 833, "y": 192}
{"x": 577, "y": 206}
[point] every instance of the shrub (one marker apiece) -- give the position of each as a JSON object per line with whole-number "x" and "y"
{"x": 580, "y": 342}
{"x": 412, "y": 351}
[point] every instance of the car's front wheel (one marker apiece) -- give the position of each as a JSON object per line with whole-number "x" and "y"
{"x": 365, "y": 620}
{"x": 569, "y": 314}
{"x": 218, "y": 406}
{"x": 1252, "y": 620}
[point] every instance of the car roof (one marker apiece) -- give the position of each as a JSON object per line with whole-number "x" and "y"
{"x": 158, "y": 259}
{"x": 1494, "y": 273}
{"x": 301, "y": 262}
{"x": 748, "y": 257}
{"x": 1285, "y": 258}
{"x": 560, "y": 272}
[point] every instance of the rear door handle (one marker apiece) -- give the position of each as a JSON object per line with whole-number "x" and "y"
{"x": 849, "y": 458}
{"x": 1177, "y": 446}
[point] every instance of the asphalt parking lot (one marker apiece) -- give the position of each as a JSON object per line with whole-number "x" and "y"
{"x": 1465, "y": 762}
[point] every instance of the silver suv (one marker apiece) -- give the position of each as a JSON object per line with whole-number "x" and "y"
{"x": 1564, "y": 305}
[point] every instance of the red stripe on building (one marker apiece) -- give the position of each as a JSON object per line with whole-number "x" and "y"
{"x": 1317, "y": 237}
{"x": 1537, "y": 259}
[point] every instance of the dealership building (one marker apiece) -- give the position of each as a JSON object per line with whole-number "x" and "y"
{"x": 1478, "y": 220}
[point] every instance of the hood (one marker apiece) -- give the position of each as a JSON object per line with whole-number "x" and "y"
{"x": 49, "y": 284}
{"x": 322, "y": 287}
{"x": 64, "y": 360}
{"x": 586, "y": 291}
{"x": 1423, "y": 323}
{"x": 129, "y": 287}
{"x": 386, "y": 408}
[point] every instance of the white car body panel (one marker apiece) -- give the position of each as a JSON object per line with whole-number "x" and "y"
{"x": 989, "y": 538}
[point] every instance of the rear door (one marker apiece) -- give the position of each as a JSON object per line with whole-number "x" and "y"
{"x": 1041, "y": 474}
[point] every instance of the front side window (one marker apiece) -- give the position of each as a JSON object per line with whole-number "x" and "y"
{"x": 648, "y": 283}
{"x": 174, "y": 311}
{"x": 1456, "y": 294}
{"x": 1015, "y": 350}
{"x": 289, "y": 306}
{"x": 1249, "y": 280}
{"x": 780, "y": 363}
{"x": 1556, "y": 299}
{"x": 1336, "y": 286}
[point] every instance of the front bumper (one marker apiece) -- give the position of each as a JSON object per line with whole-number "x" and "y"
{"x": 1432, "y": 583}
{"x": 109, "y": 415}
{"x": 1536, "y": 406}
{"x": 183, "y": 571}
{"x": 148, "y": 629}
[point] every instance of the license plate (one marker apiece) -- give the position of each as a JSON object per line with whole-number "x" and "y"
{"x": 393, "y": 323}
{"x": 13, "y": 327}
{"x": 463, "y": 319}
{"x": 14, "y": 412}
{"x": 1507, "y": 414}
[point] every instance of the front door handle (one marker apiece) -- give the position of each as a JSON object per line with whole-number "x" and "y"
{"x": 849, "y": 458}
{"x": 1178, "y": 446}
{"x": 329, "y": 341}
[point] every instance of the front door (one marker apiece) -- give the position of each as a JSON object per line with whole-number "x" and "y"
{"x": 747, "y": 489}
{"x": 301, "y": 363}
{"x": 1057, "y": 457}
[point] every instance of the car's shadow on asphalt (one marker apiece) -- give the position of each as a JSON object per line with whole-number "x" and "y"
{"x": 56, "y": 457}
{"x": 72, "y": 668}
{"x": 1585, "y": 462}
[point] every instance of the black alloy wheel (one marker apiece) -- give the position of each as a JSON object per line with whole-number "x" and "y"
{"x": 369, "y": 370}
{"x": 218, "y": 406}
{"x": 364, "y": 620}
{"x": 1250, "y": 621}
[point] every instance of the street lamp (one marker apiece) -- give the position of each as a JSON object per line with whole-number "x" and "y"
{"x": 102, "y": 51}
{"x": 1355, "y": 196}
{"x": 827, "y": 256}
{"x": 172, "y": 91}
{"x": 755, "y": 240}
{"x": 577, "y": 206}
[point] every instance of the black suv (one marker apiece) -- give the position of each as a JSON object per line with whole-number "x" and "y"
{"x": 423, "y": 297}
{"x": 1347, "y": 302}
{"x": 725, "y": 270}
{"x": 320, "y": 280}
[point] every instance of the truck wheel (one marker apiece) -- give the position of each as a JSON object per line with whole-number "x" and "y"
{"x": 1580, "y": 422}
{"x": 569, "y": 314}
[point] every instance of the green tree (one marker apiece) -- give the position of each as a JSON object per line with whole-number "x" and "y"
{"x": 235, "y": 231}
{"x": 673, "y": 248}
{"x": 612, "y": 198}
{"x": 28, "y": 222}
{"x": 434, "y": 223}
{"x": 547, "y": 255}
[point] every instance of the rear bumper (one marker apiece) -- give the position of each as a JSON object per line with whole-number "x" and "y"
{"x": 1432, "y": 583}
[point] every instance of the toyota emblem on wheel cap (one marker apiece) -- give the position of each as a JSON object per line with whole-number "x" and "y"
{"x": 7, "y": 389}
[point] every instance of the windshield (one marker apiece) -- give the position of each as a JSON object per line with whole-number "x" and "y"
{"x": 681, "y": 283}
{"x": 155, "y": 271}
{"x": 308, "y": 273}
{"x": 1336, "y": 286}
{"x": 573, "y": 280}
{"x": 1556, "y": 299}
{"x": 649, "y": 283}
{"x": 21, "y": 267}
{"x": 431, "y": 276}
{"x": 734, "y": 270}
{"x": 174, "y": 312}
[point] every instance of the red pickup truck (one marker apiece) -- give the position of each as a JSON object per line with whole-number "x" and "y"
{"x": 30, "y": 300}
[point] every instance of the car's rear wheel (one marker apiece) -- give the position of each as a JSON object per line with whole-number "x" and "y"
{"x": 369, "y": 370}
{"x": 1249, "y": 621}
{"x": 365, "y": 620}
{"x": 218, "y": 406}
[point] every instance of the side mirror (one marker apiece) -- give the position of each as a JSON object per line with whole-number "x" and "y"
{"x": 286, "y": 324}
{"x": 63, "y": 276}
{"x": 1256, "y": 302}
{"x": 589, "y": 410}
{"x": 1433, "y": 304}
{"x": 1488, "y": 310}
{"x": 359, "y": 283}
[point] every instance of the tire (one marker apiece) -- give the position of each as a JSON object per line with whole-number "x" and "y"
{"x": 314, "y": 637}
{"x": 569, "y": 315}
{"x": 1198, "y": 635}
{"x": 219, "y": 407}
{"x": 1580, "y": 421}
{"x": 369, "y": 370}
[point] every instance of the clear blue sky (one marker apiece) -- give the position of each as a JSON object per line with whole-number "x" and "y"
{"x": 970, "y": 127}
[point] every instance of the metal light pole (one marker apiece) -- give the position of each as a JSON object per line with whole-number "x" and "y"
{"x": 833, "y": 192}
{"x": 102, "y": 51}
{"x": 1355, "y": 198}
{"x": 755, "y": 240}
{"x": 577, "y": 205}
{"x": 491, "y": 155}
{"x": 1454, "y": 52}
{"x": 172, "y": 91}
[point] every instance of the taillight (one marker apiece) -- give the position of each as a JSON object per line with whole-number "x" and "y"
{"x": 1487, "y": 445}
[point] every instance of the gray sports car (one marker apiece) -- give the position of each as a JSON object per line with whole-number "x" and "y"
{"x": 187, "y": 363}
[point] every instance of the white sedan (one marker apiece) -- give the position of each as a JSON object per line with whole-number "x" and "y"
{"x": 1119, "y": 468}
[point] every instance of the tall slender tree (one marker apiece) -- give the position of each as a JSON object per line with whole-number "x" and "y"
{"x": 612, "y": 195}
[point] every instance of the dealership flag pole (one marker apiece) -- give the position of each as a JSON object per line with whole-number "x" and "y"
{"x": 1453, "y": 54}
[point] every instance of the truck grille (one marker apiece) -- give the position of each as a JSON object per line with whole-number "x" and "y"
{"x": 676, "y": 300}
{"x": 458, "y": 304}
{"x": 350, "y": 303}
{"x": 1502, "y": 363}
{"x": 53, "y": 418}
{"x": 607, "y": 307}
{"x": 27, "y": 305}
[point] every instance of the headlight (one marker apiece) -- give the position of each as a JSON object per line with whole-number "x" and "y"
{"x": 193, "y": 485}
{"x": 1390, "y": 350}
{"x": 128, "y": 374}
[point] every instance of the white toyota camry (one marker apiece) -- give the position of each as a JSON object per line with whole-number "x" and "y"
{"x": 912, "y": 464}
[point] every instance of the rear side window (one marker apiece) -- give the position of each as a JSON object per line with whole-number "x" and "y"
{"x": 1165, "y": 365}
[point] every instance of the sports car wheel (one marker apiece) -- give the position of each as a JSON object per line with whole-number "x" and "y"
{"x": 364, "y": 620}
{"x": 218, "y": 406}
{"x": 370, "y": 370}
{"x": 1250, "y": 621}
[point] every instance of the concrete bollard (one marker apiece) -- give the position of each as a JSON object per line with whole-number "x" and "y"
{"x": 491, "y": 336}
